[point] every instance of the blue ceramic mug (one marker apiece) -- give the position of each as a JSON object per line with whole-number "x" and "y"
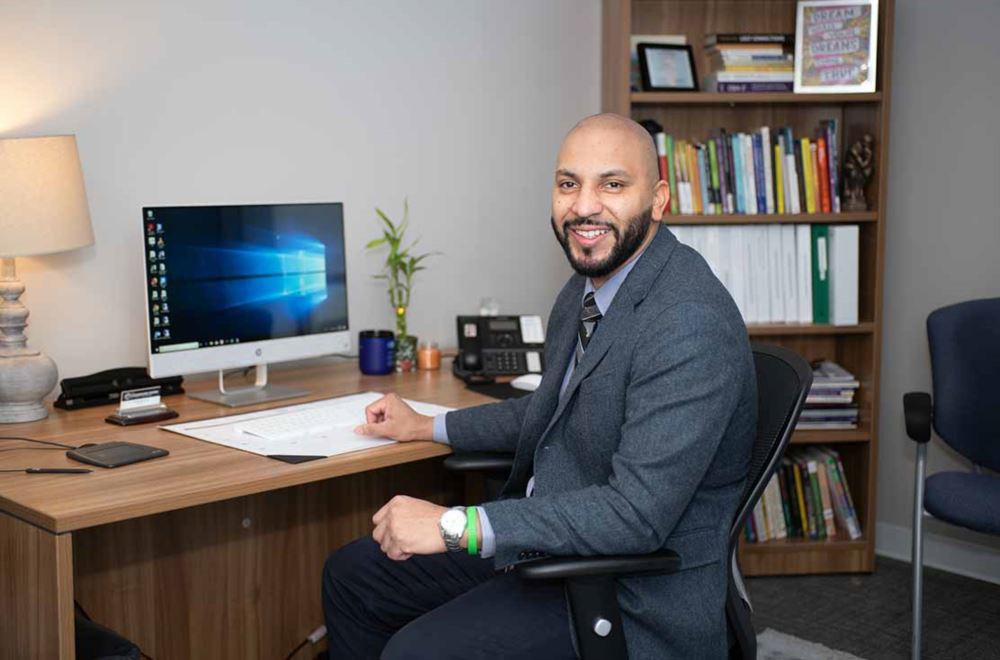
{"x": 376, "y": 352}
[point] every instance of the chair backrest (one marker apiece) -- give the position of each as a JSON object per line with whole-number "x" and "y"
{"x": 783, "y": 381}
{"x": 965, "y": 365}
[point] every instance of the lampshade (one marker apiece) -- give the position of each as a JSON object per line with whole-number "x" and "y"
{"x": 43, "y": 205}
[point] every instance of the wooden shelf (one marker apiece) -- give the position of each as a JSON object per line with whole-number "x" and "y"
{"x": 720, "y": 98}
{"x": 831, "y": 436}
{"x": 780, "y": 329}
{"x": 839, "y": 542}
{"x": 772, "y": 218}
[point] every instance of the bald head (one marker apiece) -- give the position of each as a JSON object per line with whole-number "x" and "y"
{"x": 630, "y": 139}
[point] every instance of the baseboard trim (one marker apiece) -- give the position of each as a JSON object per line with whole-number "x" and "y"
{"x": 974, "y": 560}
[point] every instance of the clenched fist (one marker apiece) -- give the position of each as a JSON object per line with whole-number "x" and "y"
{"x": 390, "y": 417}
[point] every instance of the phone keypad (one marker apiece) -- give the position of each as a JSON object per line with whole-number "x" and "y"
{"x": 505, "y": 362}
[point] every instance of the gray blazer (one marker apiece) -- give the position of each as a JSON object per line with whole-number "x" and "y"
{"x": 647, "y": 449}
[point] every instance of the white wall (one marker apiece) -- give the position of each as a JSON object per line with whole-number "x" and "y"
{"x": 943, "y": 239}
{"x": 459, "y": 105}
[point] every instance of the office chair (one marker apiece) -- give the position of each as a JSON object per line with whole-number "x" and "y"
{"x": 964, "y": 344}
{"x": 783, "y": 381}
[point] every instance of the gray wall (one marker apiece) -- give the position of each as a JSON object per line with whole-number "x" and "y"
{"x": 943, "y": 237}
{"x": 459, "y": 105}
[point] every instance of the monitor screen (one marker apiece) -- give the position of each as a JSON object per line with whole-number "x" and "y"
{"x": 227, "y": 275}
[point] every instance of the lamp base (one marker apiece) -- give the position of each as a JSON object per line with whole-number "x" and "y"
{"x": 24, "y": 380}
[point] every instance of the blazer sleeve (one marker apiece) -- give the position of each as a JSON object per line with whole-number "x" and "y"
{"x": 686, "y": 380}
{"x": 489, "y": 427}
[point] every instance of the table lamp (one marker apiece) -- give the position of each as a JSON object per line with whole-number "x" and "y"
{"x": 43, "y": 209}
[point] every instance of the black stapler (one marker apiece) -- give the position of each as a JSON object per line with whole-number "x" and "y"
{"x": 106, "y": 386}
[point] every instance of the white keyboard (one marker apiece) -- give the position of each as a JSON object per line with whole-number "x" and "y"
{"x": 310, "y": 421}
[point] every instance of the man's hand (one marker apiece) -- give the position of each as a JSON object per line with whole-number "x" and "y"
{"x": 391, "y": 418}
{"x": 406, "y": 526}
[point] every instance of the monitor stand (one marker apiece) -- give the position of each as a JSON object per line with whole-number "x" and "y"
{"x": 260, "y": 392}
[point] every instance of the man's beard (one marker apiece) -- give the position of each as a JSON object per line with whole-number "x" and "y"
{"x": 622, "y": 250}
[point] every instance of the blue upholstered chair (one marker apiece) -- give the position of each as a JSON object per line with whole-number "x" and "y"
{"x": 965, "y": 412}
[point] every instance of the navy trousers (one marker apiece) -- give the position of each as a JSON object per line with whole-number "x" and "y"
{"x": 439, "y": 606}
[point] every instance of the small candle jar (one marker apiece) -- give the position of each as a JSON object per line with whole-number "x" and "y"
{"x": 428, "y": 356}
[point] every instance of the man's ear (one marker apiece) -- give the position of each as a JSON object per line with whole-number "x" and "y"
{"x": 661, "y": 200}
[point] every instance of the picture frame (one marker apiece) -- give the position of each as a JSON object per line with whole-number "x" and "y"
{"x": 667, "y": 68}
{"x": 836, "y": 46}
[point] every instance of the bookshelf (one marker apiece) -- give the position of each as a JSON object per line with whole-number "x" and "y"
{"x": 693, "y": 115}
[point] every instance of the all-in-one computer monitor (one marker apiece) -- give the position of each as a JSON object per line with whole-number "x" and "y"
{"x": 238, "y": 286}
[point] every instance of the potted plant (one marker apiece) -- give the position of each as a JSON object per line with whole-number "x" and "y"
{"x": 400, "y": 267}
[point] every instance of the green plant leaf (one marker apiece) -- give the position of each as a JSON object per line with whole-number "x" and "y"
{"x": 374, "y": 243}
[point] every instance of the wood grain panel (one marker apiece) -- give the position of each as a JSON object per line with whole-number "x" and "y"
{"x": 198, "y": 472}
{"x": 238, "y": 578}
{"x": 36, "y": 592}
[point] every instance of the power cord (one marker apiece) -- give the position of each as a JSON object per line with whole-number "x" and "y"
{"x": 41, "y": 442}
{"x": 313, "y": 638}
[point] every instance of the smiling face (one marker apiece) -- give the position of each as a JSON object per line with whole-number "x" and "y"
{"x": 607, "y": 199}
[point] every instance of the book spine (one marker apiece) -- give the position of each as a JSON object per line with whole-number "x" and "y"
{"x": 824, "y": 490}
{"x": 725, "y": 147}
{"x": 759, "y": 524}
{"x": 823, "y": 175}
{"x": 806, "y": 160}
{"x": 672, "y": 177}
{"x": 713, "y": 166}
{"x": 841, "y": 511}
{"x": 753, "y": 87}
{"x": 817, "y": 498}
{"x": 661, "y": 154}
{"x": 847, "y": 495}
{"x": 750, "y": 194}
{"x": 696, "y": 182}
{"x": 799, "y": 175}
{"x": 800, "y": 496}
{"x": 820, "y": 274}
{"x": 785, "y": 501}
{"x": 766, "y": 152}
{"x": 814, "y": 175}
{"x": 759, "y": 179}
{"x": 779, "y": 180}
{"x": 744, "y": 38}
{"x": 793, "y": 500}
{"x": 737, "y": 149}
{"x": 831, "y": 141}
{"x": 807, "y": 490}
{"x": 705, "y": 179}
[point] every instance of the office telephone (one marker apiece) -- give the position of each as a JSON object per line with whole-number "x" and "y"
{"x": 490, "y": 346}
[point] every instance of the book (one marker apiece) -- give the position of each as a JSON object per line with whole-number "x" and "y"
{"x": 817, "y": 497}
{"x": 807, "y": 175}
{"x": 800, "y": 176}
{"x": 830, "y": 128}
{"x": 759, "y": 176}
{"x": 844, "y": 263}
{"x": 824, "y": 490}
{"x": 782, "y": 39}
{"x": 717, "y": 77}
{"x": 814, "y": 175}
{"x": 800, "y": 496}
{"x": 661, "y": 155}
{"x": 779, "y": 476}
{"x": 823, "y": 175}
{"x": 672, "y": 176}
{"x": 803, "y": 277}
{"x": 820, "y": 274}
{"x": 748, "y": 87}
{"x": 767, "y": 152}
{"x": 713, "y": 167}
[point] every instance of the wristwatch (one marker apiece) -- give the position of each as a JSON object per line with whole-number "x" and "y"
{"x": 452, "y": 526}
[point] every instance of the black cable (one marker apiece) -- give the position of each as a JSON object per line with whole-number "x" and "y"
{"x": 42, "y": 442}
{"x": 298, "y": 648}
{"x": 31, "y": 448}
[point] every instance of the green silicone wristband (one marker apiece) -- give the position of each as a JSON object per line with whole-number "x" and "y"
{"x": 471, "y": 526}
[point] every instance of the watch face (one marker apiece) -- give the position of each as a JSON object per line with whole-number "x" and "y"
{"x": 453, "y": 522}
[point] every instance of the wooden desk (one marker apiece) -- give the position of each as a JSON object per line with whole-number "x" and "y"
{"x": 208, "y": 553}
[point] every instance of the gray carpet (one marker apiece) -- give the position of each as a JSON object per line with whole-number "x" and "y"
{"x": 869, "y": 615}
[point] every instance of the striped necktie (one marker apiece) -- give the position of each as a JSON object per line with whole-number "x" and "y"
{"x": 589, "y": 316}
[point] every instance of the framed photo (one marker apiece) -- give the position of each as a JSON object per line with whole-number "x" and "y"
{"x": 667, "y": 67}
{"x": 836, "y": 43}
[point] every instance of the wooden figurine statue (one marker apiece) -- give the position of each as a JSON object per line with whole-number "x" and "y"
{"x": 859, "y": 165}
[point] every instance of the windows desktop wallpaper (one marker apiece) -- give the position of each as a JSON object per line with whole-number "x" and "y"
{"x": 222, "y": 274}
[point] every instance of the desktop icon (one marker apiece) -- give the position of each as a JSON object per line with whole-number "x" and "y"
{"x": 154, "y": 294}
{"x": 166, "y": 334}
{"x": 163, "y": 295}
{"x": 165, "y": 307}
{"x": 153, "y": 281}
{"x": 157, "y": 334}
{"x": 159, "y": 228}
{"x": 149, "y": 214}
{"x": 163, "y": 280}
{"x": 156, "y": 321}
{"x": 156, "y": 308}
{"x": 152, "y": 240}
{"x": 163, "y": 267}
{"x": 152, "y": 255}
{"x": 162, "y": 255}
{"x": 166, "y": 320}
{"x": 159, "y": 242}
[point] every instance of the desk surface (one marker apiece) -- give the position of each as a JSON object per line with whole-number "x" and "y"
{"x": 196, "y": 472}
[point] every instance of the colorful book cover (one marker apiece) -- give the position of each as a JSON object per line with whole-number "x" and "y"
{"x": 785, "y": 507}
{"x": 759, "y": 524}
{"x": 799, "y": 175}
{"x": 807, "y": 175}
{"x": 793, "y": 500}
{"x": 695, "y": 172}
{"x": 824, "y": 490}
{"x": 661, "y": 154}
{"x": 713, "y": 166}
{"x": 847, "y": 494}
{"x": 800, "y": 496}
{"x": 737, "y": 145}
{"x": 841, "y": 509}
{"x": 820, "y": 273}
{"x": 749, "y": 178}
{"x": 807, "y": 489}
{"x": 672, "y": 176}
{"x": 725, "y": 147}
{"x": 817, "y": 497}
{"x": 823, "y": 175}
{"x": 814, "y": 174}
{"x": 834, "y": 158}
{"x": 759, "y": 179}
{"x": 779, "y": 181}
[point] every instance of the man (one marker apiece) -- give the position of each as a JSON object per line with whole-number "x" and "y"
{"x": 637, "y": 439}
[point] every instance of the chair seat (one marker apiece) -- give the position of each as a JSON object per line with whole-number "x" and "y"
{"x": 965, "y": 498}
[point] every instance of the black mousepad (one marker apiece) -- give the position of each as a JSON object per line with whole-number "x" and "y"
{"x": 497, "y": 390}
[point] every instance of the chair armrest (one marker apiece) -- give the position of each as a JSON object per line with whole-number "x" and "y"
{"x": 917, "y": 411}
{"x": 480, "y": 461}
{"x": 549, "y": 568}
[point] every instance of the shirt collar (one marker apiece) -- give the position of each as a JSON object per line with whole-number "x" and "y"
{"x": 606, "y": 293}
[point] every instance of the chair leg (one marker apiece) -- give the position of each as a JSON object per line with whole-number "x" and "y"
{"x": 918, "y": 548}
